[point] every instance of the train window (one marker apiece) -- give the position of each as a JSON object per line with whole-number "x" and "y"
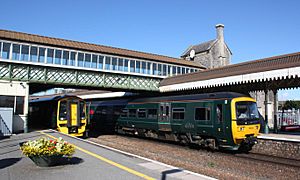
{"x": 152, "y": 113}
{"x": 132, "y": 113}
{"x": 141, "y": 113}
{"x": 167, "y": 110}
{"x": 63, "y": 110}
{"x": 124, "y": 113}
{"x": 202, "y": 114}
{"x": 82, "y": 110}
{"x": 178, "y": 113}
{"x": 219, "y": 112}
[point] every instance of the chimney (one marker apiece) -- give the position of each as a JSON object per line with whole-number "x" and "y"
{"x": 220, "y": 32}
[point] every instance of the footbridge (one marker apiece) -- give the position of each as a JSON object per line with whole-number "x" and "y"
{"x": 45, "y": 62}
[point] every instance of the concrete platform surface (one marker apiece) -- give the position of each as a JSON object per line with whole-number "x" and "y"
{"x": 280, "y": 137}
{"x": 90, "y": 161}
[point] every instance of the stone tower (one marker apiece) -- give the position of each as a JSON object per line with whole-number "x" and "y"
{"x": 211, "y": 54}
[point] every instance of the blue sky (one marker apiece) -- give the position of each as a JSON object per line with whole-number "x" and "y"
{"x": 253, "y": 29}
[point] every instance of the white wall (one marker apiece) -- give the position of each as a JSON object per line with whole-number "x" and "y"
{"x": 17, "y": 88}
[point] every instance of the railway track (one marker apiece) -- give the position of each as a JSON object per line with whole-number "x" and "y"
{"x": 270, "y": 159}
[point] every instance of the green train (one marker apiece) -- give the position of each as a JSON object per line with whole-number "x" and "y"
{"x": 223, "y": 120}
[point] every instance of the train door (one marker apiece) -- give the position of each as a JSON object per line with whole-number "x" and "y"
{"x": 219, "y": 123}
{"x": 74, "y": 113}
{"x": 164, "y": 123}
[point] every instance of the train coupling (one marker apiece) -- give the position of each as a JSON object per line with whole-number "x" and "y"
{"x": 250, "y": 140}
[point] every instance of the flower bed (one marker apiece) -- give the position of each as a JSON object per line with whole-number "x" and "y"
{"x": 45, "y": 152}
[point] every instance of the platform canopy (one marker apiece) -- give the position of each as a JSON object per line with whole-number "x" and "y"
{"x": 269, "y": 73}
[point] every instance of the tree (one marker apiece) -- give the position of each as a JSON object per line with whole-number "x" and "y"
{"x": 290, "y": 105}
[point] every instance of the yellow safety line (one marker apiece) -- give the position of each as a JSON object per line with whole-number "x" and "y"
{"x": 108, "y": 161}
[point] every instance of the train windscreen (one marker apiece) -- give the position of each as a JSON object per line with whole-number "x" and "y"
{"x": 247, "y": 113}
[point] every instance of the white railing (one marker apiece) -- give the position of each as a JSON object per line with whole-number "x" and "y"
{"x": 289, "y": 117}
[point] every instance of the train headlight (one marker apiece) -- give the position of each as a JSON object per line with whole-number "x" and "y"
{"x": 242, "y": 129}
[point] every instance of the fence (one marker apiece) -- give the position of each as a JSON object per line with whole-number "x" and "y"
{"x": 289, "y": 117}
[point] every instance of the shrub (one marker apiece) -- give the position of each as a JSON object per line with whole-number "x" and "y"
{"x": 46, "y": 147}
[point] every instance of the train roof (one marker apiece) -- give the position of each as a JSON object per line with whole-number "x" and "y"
{"x": 216, "y": 95}
{"x": 51, "y": 98}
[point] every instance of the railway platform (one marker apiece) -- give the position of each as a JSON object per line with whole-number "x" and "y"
{"x": 90, "y": 161}
{"x": 281, "y": 137}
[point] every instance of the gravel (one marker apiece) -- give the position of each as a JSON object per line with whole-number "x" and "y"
{"x": 215, "y": 164}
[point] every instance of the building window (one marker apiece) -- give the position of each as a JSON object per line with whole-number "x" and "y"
{"x": 16, "y": 52}
{"x": 50, "y": 53}
{"x": 107, "y": 62}
{"x": 159, "y": 69}
{"x": 87, "y": 60}
{"x": 126, "y": 65}
{"x": 138, "y": 67}
{"x": 164, "y": 70}
{"x": 143, "y": 67}
{"x": 132, "y": 66}
{"x": 94, "y": 61}
{"x": 80, "y": 59}
{"x": 15, "y": 102}
{"x": 114, "y": 64}
{"x": 58, "y": 54}
{"x": 6, "y": 50}
{"x": 202, "y": 114}
{"x": 154, "y": 70}
{"x": 192, "y": 70}
{"x": 24, "y": 53}
{"x": 148, "y": 68}
{"x": 178, "y": 70}
{"x": 72, "y": 59}
{"x": 183, "y": 70}
{"x": 41, "y": 54}
{"x": 65, "y": 58}
{"x": 120, "y": 64}
{"x": 33, "y": 53}
{"x": 178, "y": 113}
{"x": 100, "y": 62}
{"x": 174, "y": 70}
{"x": 1, "y": 49}
{"x": 141, "y": 113}
{"x": 169, "y": 70}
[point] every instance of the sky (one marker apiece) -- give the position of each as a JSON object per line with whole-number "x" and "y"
{"x": 253, "y": 29}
